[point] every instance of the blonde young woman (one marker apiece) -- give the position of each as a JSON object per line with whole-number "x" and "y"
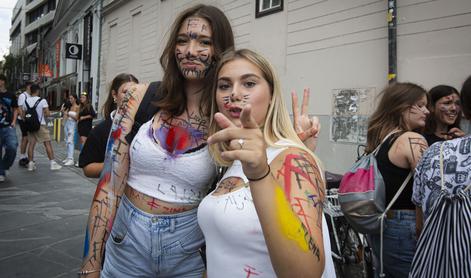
{"x": 71, "y": 114}
{"x": 265, "y": 216}
{"x": 401, "y": 112}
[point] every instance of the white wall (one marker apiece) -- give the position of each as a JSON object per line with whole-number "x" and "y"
{"x": 324, "y": 45}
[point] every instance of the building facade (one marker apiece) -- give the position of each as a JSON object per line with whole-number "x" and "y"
{"x": 31, "y": 20}
{"x": 70, "y": 55}
{"x": 337, "y": 48}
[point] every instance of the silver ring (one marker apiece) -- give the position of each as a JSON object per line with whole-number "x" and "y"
{"x": 241, "y": 143}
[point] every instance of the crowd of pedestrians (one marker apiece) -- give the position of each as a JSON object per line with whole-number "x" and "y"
{"x": 204, "y": 173}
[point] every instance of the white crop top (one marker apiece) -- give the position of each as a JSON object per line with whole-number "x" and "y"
{"x": 182, "y": 179}
{"x": 235, "y": 245}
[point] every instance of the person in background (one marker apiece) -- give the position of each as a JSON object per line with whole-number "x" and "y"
{"x": 441, "y": 193}
{"x": 42, "y": 135}
{"x": 401, "y": 110}
{"x": 443, "y": 123}
{"x": 23, "y": 161}
{"x": 70, "y": 113}
{"x": 92, "y": 155}
{"x": 8, "y": 139}
{"x": 85, "y": 118}
{"x": 272, "y": 176}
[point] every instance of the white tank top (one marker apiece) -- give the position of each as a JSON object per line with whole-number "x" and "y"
{"x": 182, "y": 179}
{"x": 235, "y": 244}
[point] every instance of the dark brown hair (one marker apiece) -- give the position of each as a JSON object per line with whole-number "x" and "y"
{"x": 173, "y": 94}
{"x": 434, "y": 95}
{"x": 395, "y": 99}
{"x": 119, "y": 80}
{"x": 466, "y": 98}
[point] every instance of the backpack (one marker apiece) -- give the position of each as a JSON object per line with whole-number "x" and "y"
{"x": 443, "y": 248}
{"x": 362, "y": 194}
{"x": 31, "y": 120}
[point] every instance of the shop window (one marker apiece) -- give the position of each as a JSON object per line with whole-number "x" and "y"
{"x": 266, "y": 7}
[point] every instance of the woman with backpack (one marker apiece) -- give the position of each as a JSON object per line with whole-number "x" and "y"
{"x": 401, "y": 111}
{"x": 443, "y": 123}
{"x": 442, "y": 191}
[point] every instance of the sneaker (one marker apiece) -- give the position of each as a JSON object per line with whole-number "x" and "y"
{"x": 76, "y": 164}
{"x": 69, "y": 162}
{"x": 55, "y": 166}
{"x": 2, "y": 178}
{"x": 23, "y": 162}
{"x": 65, "y": 160}
{"x": 31, "y": 166}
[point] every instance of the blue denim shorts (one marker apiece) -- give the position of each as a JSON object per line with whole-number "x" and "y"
{"x": 399, "y": 244}
{"x": 148, "y": 245}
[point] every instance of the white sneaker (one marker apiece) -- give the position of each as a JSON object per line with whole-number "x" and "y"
{"x": 76, "y": 164}
{"x": 69, "y": 162}
{"x": 2, "y": 178}
{"x": 65, "y": 160}
{"x": 31, "y": 166}
{"x": 55, "y": 166}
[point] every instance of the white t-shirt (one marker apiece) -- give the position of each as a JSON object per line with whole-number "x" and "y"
{"x": 39, "y": 109}
{"x": 235, "y": 244}
{"x": 21, "y": 100}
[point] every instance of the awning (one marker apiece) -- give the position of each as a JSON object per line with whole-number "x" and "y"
{"x": 30, "y": 48}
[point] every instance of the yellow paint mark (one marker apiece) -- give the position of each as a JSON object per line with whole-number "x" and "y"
{"x": 391, "y": 76}
{"x": 290, "y": 224}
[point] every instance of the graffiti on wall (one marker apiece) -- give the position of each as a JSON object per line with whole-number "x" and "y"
{"x": 350, "y": 111}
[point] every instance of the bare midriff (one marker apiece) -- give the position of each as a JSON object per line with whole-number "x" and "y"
{"x": 153, "y": 205}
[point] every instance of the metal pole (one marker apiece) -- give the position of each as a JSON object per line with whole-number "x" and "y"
{"x": 392, "y": 41}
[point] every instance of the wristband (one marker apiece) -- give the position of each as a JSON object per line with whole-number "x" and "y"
{"x": 262, "y": 177}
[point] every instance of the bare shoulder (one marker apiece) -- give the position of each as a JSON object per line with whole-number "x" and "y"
{"x": 297, "y": 170}
{"x": 410, "y": 145}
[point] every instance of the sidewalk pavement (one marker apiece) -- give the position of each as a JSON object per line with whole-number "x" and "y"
{"x": 43, "y": 216}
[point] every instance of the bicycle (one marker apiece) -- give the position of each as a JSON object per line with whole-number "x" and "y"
{"x": 350, "y": 250}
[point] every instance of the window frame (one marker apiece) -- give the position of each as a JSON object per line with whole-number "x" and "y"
{"x": 268, "y": 11}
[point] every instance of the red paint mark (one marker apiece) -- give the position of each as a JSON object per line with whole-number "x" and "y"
{"x": 152, "y": 204}
{"x": 301, "y": 211}
{"x": 250, "y": 271}
{"x": 116, "y": 134}
{"x": 290, "y": 168}
{"x": 178, "y": 139}
{"x": 101, "y": 184}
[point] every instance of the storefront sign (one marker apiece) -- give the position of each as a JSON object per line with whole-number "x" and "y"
{"x": 73, "y": 51}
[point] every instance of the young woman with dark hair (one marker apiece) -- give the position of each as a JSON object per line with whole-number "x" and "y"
{"x": 144, "y": 208}
{"x": 92, "y": 155}
{"x": 85, "y": 117}
{"x": 443, "y": 123}
{"x": 401, "y": 110}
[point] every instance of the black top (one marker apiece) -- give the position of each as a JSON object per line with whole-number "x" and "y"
{"x": 432, "y": 138}
{"x": 7, "y": 103}
{"x": 94, "y": 149}
{"x": 393, "y": 177}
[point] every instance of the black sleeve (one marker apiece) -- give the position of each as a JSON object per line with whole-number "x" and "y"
{"x": 146, "y": 109}
{"x": 14, "y": 100}
{"x": 94, "y": 149}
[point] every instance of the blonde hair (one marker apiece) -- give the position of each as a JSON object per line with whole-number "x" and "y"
{"x": 277, "y": 125}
